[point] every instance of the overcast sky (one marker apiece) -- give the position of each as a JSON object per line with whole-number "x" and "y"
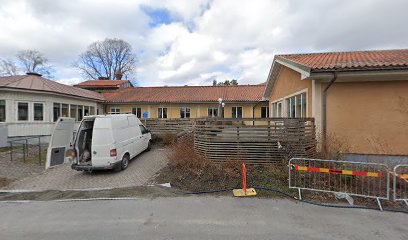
{"x": 194, "y": 42}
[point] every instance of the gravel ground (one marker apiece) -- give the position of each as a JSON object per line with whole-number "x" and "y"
{"x": 17, "y": 169}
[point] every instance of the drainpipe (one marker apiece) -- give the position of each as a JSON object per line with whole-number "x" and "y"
{"x": 324, "y": 130}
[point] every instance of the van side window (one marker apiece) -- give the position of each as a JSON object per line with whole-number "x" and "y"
{"x": 143, "y": 129}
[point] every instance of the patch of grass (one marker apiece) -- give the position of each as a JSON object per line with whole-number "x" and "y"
{"x": 4, "y": 149}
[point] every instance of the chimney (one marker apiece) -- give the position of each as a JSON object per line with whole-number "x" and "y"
{"x": 118, "y": 75}
{"x": 34, "y": 74}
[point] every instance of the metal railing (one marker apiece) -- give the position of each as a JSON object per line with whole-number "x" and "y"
{"x": 27, "y": 149}
{"x": 400, "y": 183}
{"x": 371, "y": 180}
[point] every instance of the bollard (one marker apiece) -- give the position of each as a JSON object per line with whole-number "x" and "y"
{"x": 244, "y": 184}
{"x": 244, "y": 192}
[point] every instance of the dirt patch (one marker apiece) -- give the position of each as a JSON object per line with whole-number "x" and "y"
{"x": 4, "y": 182}
{"x": 142, "y": 191}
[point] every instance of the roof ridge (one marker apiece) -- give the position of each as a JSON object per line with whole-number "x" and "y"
{"x": 352, "y": 51}
{"x": 226, "y": 86}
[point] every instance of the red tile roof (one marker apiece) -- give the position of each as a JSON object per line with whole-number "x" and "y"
{"x": 240, "y": 93}
{"x": 101, "y": 83}
{"x": 38, "y": 83}
{"x": 359, "y": 60}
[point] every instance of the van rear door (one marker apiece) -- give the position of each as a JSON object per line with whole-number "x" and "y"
{"x": 60, "y": 141}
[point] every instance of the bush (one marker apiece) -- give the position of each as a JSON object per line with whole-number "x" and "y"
{"x": 166, "y": 138}
{"x": 192, "y": 172}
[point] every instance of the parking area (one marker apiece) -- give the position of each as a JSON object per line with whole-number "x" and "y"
{"x": 141, "y": 169}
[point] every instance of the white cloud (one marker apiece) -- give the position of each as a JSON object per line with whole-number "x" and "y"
{"x": 207, "y": 40}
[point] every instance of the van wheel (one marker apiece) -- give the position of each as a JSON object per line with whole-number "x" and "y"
{"x": 149, "y": 146}
{"x": 125, "y": 162}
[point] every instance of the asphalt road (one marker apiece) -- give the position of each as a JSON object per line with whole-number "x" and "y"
{"x": 195, "y": 218}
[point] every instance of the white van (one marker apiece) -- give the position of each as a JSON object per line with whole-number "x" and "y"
{"x": 105, "y": 142}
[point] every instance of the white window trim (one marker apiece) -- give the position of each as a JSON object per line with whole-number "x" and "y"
{"x": 28, "y": 111}
{"x": 141, "y": 113}
{"x": 237, "y": 111}
{"x": 167, "y": 112}
{"x": 284, "y": 112}
{"x": 5, "y": 110}
{"x": 43, "y": 111}
{"x": 212, "y": 116}
{"x": 267, "y": 111}
{"x": 111, "y": 111}
{"x": 185, "y": 111}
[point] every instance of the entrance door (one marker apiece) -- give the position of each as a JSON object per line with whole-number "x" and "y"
{"x": 60, "y": 141}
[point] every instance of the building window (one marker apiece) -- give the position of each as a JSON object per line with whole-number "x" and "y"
{"x": 184, "y": 112}
{"x": 86, "y": 111}
{"x": 57, "y": 111}
{"x": 296, "y": 106}
{"x": 80, "y": 114}
{"x": 38, "y": 111}
{"x": 2, "y": 110}
{"x": 264, "y": 112}
{"x": 212, "y": 112}
{"x": 65, "y": 110}
{"x": 91, "y": 110}
{"x": 115, "y": 110}
{"x": 22, "y": 111}
{"x": 73, "y": 110}
{"x": 162, "y": 112}
{"x": 277, "y": 109}
{"x": 137, "y": 111}
{"x": 236, "y": 112}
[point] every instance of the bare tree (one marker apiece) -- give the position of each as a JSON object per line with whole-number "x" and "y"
{"x": 108, "y": 58}
{"x": 8, "y": 68}
{"x": 34, "y": 61}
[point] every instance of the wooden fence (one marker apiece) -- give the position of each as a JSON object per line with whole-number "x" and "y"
{"x": 159, "y": 125}
{"x": 265, "y": 140}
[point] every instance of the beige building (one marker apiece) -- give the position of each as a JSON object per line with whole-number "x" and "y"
{"x": 242, "y": 101}
{"x": 357, "y": 98}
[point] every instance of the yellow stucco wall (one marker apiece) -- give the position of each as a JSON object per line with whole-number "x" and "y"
{"x": 369, "y": 117}
{"x": 287, "y": 83}
{"x": 197, "y": 110}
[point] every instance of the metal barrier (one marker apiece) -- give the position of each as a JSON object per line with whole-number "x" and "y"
{"x": 400, "y": 185}
{"x": 27, "y": 148}
{"x": 371, "y": 180}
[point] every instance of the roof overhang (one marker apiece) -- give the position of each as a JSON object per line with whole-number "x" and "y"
{"x": 51, "y": 93}
{"x": 343, "y": 75}
{"x": 361, "y": 76}
{"x": 276, "y": 67}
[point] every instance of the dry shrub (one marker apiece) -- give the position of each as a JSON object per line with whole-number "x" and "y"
{"x": 335, "y": 146}
{"x": 183, "y": 157}
{"x": 167, "y": 138}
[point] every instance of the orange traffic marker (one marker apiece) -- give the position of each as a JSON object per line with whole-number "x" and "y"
{"x": 244, "y": 192}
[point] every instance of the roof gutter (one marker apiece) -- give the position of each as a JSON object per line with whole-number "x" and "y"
{"x": 324, "y": 130}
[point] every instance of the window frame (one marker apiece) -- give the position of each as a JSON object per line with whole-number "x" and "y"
{"x": 286, "y": 110}
{"x": 213, "y": 110}
{"x": 114, "y": 110}
{"x": 5, "y": 109}
{"x": 187, "y": 110}
{"x": 266, "y": 111}
{"x": 138, "y": 111}
{"x": 236, "y": 112}
{"x": 28, "y": 111}
{"x": 42, "y": 110}
{"x": 162, "y": 112}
